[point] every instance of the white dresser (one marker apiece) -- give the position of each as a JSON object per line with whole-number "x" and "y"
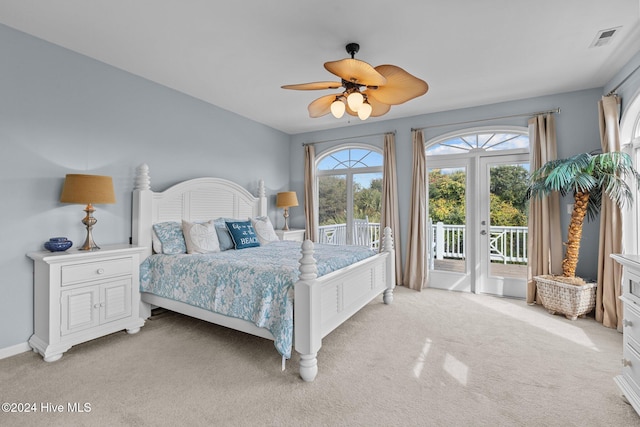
{"x": 82, "y": 295}
{"x": 629, "y": 380}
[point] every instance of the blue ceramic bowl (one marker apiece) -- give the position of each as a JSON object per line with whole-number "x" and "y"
{"x": 58, "y": 244}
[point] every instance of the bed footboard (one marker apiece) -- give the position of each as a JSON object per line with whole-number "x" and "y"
{"x": 324, "y": 303}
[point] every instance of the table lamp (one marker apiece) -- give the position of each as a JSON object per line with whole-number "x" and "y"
{"x": 286, "y": 199}
{"x": 89, "y": 190}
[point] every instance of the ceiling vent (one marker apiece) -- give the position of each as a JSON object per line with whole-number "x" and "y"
{"x": 604, "y": 37}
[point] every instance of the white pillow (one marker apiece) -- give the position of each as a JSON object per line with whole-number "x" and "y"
{"x": 201, "y": 238}
{"x": 156, "y": 243}
{"x": 264, "y": 229}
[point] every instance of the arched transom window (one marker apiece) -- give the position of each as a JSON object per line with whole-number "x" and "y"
{"x": 479, "y": 141}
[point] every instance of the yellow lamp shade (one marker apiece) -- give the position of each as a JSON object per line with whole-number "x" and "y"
{"x": 87, "y": 189}
{"x": 286, "y": 199}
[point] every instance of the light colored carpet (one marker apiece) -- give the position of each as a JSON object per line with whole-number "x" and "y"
{"x": 434, "y": 358}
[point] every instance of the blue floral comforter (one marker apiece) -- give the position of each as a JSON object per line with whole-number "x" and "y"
{"x": 252, "y": 284}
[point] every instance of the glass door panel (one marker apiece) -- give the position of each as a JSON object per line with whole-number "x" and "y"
{"x": 447, "y": 227}
{"x": 503, "y": 225}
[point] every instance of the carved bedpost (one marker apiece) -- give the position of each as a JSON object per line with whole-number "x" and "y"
{"x": 306, "y": 315}
{"x": 387, "y": 246}
{"x": 141, "y": 213}
{"x": 263, "y": 198}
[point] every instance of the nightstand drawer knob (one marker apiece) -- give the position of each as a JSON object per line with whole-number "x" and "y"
{"x": 626, "y": 362}
{"x": 100, "y": 271}
{"x": 626, "y": 322}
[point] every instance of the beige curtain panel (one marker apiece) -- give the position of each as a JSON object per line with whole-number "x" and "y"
{"x": 608, "y": 305}
{"x": 416, "y": 267}
{"x": 389, "y": 215}
{"x": 545, "y": 237}
{"x": 310, "y": 193}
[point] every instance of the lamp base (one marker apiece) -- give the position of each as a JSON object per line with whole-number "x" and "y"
{"x": 89, "y": 221}
{"x": 286, "y": 219}
{"x": 89, "y": 244}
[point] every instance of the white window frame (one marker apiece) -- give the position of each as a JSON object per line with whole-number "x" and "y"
{"x": 349, "y": 175}
{"x": 519, "y": 130}
{"x": 630, "y": 144}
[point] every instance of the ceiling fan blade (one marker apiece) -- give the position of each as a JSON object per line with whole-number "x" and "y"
{"x": 321, "y": 106}
{"x": 314, "y": 86}
{"x": 400, "y": 87}
{"x": 377, "y": 108}
{"x": 356, "y": 71}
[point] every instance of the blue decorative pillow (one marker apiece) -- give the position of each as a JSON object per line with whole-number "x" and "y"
{"x": 171, "y": 237}
{"x": 243, "y": 234}
{"x": 224, "y": 238}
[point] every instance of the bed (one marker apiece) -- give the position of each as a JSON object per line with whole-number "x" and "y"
{"x": 319, "y": 302}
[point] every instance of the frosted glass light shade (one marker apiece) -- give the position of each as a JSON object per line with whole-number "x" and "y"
{"x": 365, "y": 111}
{"x": 337, "y": 108}
{"x": 355, "y": 100}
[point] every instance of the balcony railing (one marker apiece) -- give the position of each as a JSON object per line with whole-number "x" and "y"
{"x": 507, "y": 244}
{"x": 336, "y": 234}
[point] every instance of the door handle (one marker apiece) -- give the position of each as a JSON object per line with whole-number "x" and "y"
{"x": 483, "y": 232}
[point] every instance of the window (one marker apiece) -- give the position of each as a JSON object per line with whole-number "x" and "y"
{"x": 479, "y": 141}
{"x": 630, "y": 144}
{"x": 350, "y": 196}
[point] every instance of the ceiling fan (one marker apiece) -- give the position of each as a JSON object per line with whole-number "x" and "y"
{"x": 367, "y": 91}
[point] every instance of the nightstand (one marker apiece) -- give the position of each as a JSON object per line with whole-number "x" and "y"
{"x": 291, "y": 234}
{"x": 82, "y": 295}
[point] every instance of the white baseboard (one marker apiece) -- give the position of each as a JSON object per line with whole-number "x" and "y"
{"x": 14, "y": 349}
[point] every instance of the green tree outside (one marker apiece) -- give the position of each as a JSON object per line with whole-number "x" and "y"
{"x": 447, "y": 197}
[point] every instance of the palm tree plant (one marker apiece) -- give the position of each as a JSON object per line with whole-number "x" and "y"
{"x": 588, "y": 177}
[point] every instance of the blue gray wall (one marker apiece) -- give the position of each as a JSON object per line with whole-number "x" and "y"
{"x": 61, "y": 113}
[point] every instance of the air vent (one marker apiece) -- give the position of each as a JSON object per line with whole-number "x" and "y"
{"x": 604, "y": 37}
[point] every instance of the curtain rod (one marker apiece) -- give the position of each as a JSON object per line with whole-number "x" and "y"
{"x": 555, "y": 110}
{"x": 349, "y": 137}
{"x": 612, "y": 91}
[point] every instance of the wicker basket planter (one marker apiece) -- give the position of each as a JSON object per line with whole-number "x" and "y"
{"x": 567, "y": 299}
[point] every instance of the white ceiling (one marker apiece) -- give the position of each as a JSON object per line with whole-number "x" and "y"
{"x": 237, "y": 54}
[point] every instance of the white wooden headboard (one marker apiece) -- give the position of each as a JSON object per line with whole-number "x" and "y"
{"x": 197, "y": 199}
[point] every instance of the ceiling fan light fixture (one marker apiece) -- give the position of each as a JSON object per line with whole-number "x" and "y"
{"x": 355, "y": 100}
{"x": 365, "y": 111}
{"x": 366, "y": 91}
{"x": 338, "y": 107}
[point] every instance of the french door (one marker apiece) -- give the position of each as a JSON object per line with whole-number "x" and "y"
{"x": 485, "y": 250}
{"x": 502, "y": 242}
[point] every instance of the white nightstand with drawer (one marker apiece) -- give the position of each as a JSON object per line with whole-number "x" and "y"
{"x": 291, "y": 234}
{"x": 82, "y": 295}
